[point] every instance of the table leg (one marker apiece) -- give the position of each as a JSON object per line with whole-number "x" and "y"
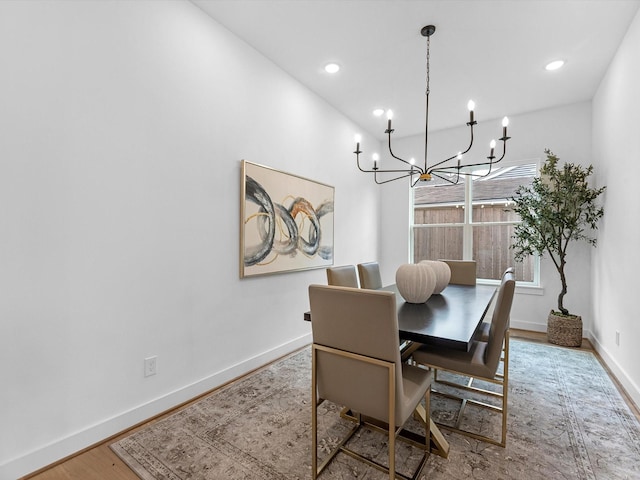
{"x": 439, "y": 444}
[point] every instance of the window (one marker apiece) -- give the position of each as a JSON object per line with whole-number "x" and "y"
{"x": 473, "y": 221}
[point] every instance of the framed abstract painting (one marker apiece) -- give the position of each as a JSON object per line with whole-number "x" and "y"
{"x": 286, "y": 222}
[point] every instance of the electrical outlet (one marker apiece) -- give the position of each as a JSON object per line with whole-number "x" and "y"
{"x": 150, "y": 366}
{"x": 617, "y": 338}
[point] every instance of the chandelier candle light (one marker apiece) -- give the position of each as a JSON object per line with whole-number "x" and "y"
{"x": 444, "y": 169}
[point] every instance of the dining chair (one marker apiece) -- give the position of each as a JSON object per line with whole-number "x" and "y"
{"x": 369, "y": 274}
{"x": 343, "y": 276}
{"x": 479, "y": 363}
{"x": 483, "y": 330}
{"x": 352, "y": 368}
{"x": 463, "y": 272}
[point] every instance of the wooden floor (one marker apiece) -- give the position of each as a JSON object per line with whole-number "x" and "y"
{"x": 100, "y": 463}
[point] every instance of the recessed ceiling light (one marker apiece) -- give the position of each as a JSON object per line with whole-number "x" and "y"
{"x": 331, "y": 67}
{"x": 555, "y": 65}
{"x": 378, "y": 112}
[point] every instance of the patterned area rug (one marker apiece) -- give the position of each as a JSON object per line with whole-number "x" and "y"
{"x": 566, "y": 421}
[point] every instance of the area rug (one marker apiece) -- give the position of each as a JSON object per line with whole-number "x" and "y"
{"x": 566, "y": 421}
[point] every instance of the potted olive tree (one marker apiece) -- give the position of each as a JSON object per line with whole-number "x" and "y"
{"x": 556, "y": 209}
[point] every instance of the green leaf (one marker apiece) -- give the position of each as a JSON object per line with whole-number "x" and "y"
{"x": 557, "y": 208}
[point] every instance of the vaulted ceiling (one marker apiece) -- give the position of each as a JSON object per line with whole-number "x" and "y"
{"x": 491, "y": 51}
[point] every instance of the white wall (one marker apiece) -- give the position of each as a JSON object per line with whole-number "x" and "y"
{"x": 564, "y": 130}
{"x": 616, "y": 263}
{"x": 122, "y": 127}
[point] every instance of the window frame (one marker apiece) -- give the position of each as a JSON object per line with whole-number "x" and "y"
{"x": 468, "y": 225}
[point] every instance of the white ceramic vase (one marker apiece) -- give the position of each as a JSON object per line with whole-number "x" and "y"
{"x": 415, "y": 282}
{"x": 443, "y": 274}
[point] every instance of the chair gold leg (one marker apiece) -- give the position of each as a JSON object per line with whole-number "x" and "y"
{"x": 499, "y": 379}
{"x": 392, "y": 423}
{"x": 505, "y": 389}
{"x": 314, "y": 417}
{"x": 359, "y": 420}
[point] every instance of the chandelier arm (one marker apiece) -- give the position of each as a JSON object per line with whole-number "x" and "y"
{"x": 375, "y": 176}
{"x": 504, "y": 152}
{"x": 408, "y": 172}
{"x": 504, "y": 149}
{"x": 464, "y": 174}
{"x": 431, "y": 169}
{"x": 436, "y": 166}
{"x": 478, "y": 175}
{"x": 415, "y": 167}
{"x": 449, "y": 170}
{"x": 491, "y": 162}
{"x": 479, "y": 164}
{"x": 358, "y": 163}
{"x": 446, "y": 179}
{"x": 471, "y": 124}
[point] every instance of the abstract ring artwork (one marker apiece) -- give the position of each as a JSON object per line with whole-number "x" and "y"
{"x": 286, "y": 222}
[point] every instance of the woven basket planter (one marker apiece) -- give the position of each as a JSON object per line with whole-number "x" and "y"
{"x": 565, "y": 331}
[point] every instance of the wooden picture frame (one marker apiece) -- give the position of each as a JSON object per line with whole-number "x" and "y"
{"x": 286, "y": 222}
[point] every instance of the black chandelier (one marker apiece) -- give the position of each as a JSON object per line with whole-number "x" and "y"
{"x": 446, "y": 169}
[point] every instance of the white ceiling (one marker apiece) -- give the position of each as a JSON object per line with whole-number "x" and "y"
{"x": 492, "y": 51}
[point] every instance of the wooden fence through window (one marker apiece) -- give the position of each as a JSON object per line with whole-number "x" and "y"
{"x": 490, "y": 241}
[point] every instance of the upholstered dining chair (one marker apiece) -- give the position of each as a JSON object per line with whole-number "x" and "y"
{"x": 360, "y": 371}
{"x": 369, "y": 274}
{"x": 463, "y": 272}
{"x": 480, "y": 362}
{"x": 483, "y": 331}
{"x": 343, "y": 276}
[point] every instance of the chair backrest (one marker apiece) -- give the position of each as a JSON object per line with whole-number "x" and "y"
{"x": 500, "y": 320}
{"x": 492, "y": 306}
{"x": 362, "y": 322}
{"x": 463, "y": 272}
{"x": 369, "y": 274}
{"x": 343, "y": 276}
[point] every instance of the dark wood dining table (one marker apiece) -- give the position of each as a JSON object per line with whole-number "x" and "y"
{"x": 450, "y": 318}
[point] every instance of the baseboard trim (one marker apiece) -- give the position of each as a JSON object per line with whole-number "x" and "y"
{"x": 530, "y": 326}
{"x": 68, "y": 446}
{"x": 620, "y": 375}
